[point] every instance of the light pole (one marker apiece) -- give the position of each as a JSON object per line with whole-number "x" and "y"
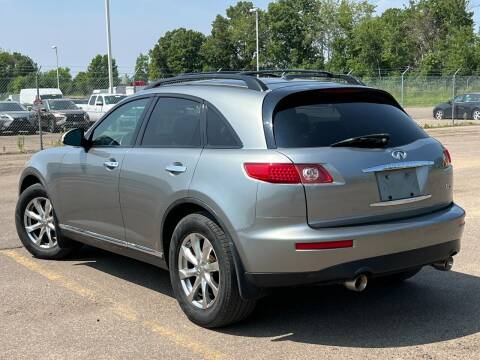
{"x": 54, "y": 47}
{"x": 109, "y": 46}
{"x": 255, "y": 10}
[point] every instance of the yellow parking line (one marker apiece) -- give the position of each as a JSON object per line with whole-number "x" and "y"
{"x": 122, "y": 310}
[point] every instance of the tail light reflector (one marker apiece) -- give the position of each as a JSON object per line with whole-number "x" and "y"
{"x": 447, "y": 159}
{"x": 282, "y": 173}
{"x": 324, "y": 245}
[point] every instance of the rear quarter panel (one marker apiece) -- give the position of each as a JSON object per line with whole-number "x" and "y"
{"x": 220, "y": 182}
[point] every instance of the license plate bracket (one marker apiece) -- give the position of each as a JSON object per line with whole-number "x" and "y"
{"x": 398, "y": 184}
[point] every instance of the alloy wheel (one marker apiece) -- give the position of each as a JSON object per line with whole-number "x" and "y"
{"x": 39, "y": 223}
{"x": 439, "y": 115}
{"x": 476, "y": 115}
{"x": 199, "y": 271}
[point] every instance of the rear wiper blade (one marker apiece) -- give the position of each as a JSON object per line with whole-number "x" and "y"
{"x": 367, "y": 141}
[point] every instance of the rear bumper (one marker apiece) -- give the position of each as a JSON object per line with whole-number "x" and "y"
{"x": 376, "y": 266}
{"x": 268, "y": 251}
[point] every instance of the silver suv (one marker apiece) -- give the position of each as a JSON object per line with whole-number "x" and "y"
{"x": 242, "y": 182}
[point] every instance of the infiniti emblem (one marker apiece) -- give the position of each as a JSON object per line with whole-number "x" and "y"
{"x": 399, "y": 154}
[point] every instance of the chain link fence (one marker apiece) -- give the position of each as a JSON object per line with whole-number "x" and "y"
{"x": 24, "y": 128}
{"x": 28, "y": 127}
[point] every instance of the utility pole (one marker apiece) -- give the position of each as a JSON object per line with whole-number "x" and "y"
{"x": 54, "y": 47}
{"x": 454, "y": 92}
{"x": 109, "y": 46}
{"x": 403, "y": 91}
{"x": 255, "y": 10}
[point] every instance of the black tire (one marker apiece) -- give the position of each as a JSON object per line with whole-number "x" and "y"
{"x": 228, "y": 307}
{"x": 52, "y": 127}
{"x": 63, "y": 246}
{"x": 398, "y": 277}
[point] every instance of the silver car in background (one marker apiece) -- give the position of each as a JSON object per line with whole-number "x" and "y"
{"x": 16, "y": 119}
{"x": 243, "y": 182}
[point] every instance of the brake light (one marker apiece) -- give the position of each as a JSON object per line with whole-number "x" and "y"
{"x": 324, "y": 245}
{"x": 447, "y": 159}
{"x": 280, "y": 173}
{"x": 273, "y": 173}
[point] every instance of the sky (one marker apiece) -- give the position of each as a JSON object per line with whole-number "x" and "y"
{"x": 77, "y": 27}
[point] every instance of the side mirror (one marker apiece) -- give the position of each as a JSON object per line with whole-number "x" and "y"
{"x": 74, "y": 137}
{"x": 99, "y": 103}
{"x": 449, "y": 102}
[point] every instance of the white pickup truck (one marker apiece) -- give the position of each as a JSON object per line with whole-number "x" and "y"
{"x": 100, "y": 103}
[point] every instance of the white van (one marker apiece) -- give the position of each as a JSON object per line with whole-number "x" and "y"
{"x": 28, "y": 96}
{"x": 100, "y": 103}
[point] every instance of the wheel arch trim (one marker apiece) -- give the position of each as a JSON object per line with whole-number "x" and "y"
{"x": 246, "y": 288}
{"x": 31, "y": 172}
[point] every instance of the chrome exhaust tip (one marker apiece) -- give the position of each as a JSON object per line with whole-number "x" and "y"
{"x": 444, "y": 265}
{"x": 358, "y": 283}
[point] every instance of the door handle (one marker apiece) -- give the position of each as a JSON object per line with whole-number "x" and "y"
{"x": 176, "y": 168}
{"x": 111, "y": 164}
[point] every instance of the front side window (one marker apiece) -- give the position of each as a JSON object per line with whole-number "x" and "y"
{"x": 174, "y": 123}
{"x": 92, "y": 100}
{"x": 458, "y": 98}
{"x": 120, "y": 126}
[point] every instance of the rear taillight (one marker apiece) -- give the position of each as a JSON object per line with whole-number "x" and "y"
{"x": 447, "y": 159}
{"x": 280, "y": 173}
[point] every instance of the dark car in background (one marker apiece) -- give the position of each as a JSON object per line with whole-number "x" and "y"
{"x": 16, "y": 119}
{"x": 467, "y": 106}
{"x": 63, "y": 114}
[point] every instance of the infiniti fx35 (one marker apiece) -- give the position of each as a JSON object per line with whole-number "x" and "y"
{"x": 238, "y": 183}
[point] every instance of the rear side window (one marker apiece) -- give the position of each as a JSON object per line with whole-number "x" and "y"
{"x": 174, "y": 123}
{"x": 317, "y": 119}
{"x": 219, "y": 132}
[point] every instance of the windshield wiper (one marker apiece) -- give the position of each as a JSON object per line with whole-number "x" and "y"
{"x": 365, "y": 141}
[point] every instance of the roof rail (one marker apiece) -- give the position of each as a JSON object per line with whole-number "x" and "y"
{"x": 252, "y": 82}
{"x": 252, "y": 78}
{"x": 290, "y": 74}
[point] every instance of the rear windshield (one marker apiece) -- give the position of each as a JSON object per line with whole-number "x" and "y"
{"x": 317, "y": 119}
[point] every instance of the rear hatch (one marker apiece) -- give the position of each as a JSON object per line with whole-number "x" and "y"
{"x": 383, "y": 165}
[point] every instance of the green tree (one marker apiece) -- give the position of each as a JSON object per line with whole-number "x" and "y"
{"x": 81, "y": 84}
{"x": 218, "y": 51}
{"x": 13, "y": 65}
{"x": 342, "y": 46}
{"x": 98, "y": 72}
{"x": 49, "y": 79}
{"x": 232, "y": 42}
{"x": 141, "y": 68}
{"x": 178, "y": 51}
{"x": 295, "y": 37}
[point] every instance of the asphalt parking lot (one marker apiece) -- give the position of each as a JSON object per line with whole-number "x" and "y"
{"x": 100, "y": 305}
